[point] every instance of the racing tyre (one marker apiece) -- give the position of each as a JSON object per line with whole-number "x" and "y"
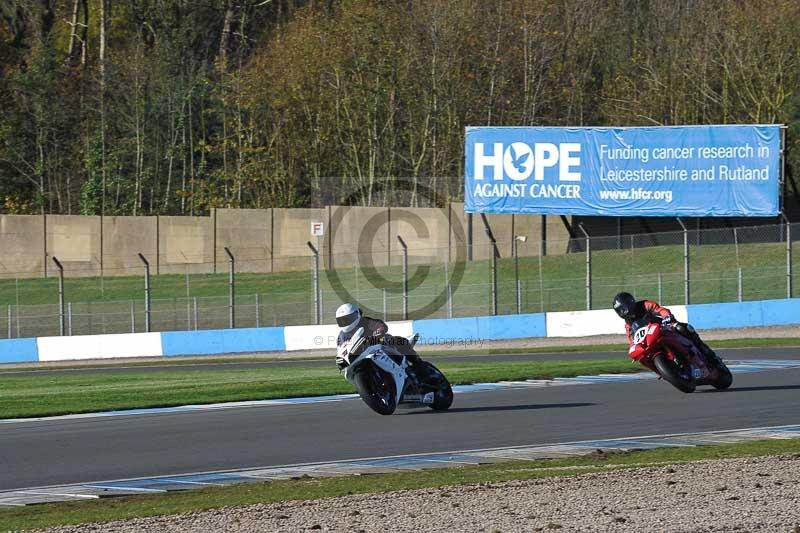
{"x": 442, "y": 391}
{"x": 376, "y": 388}
{"x": 724, "y": 379}
{"x": 670, "y": 371}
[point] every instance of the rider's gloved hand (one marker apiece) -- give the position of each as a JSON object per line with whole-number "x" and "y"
{"x": 341, "y": 363}
{"x": 666, "y": 321}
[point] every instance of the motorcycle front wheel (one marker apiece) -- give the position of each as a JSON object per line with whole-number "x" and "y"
{"x": 376, "y": 388}
{"x": 442, "y": 391}
{"x": 671, "y": 372}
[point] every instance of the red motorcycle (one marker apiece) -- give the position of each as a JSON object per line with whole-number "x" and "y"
{"x": 675, "y": 358}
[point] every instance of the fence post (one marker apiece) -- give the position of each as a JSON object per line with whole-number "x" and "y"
{"x": 195, "y": 313}
{"x": 788, "y": 256}
{"x": 69, "y": 319}
{"x": 449, "y": 290}
{"x": 518, "y": 239}
{"x": 740, "y": 284}
{"x": 516, "y": 275}
{"x": 258, "y": 310}
{"x": 147, "y": 318}
{"x": 405, "y": 276}
{"x": 588, "y": 267}
{"x": 469, "y": 236}
{"x": 317, "y": 313}
{"x": 660, "y": 287}
{"x": 61, "y": 320}
{"x": 494, "y": 272}
{"x": 10, "y": 329}
{"x": 133, "y": 316}
{"x": 686, "y": 276}
{"x": 231, "y": 289}
{"x": 384, "y": 303}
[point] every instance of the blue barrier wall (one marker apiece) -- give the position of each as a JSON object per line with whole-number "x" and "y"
{"x": 18, "y": 351}
{"x": 442, "y": 331}
{"x": 435, "y": 331}
{"x": 220, "y": 341}
{"x": 745, "y": 314}
{"x": 512, "y": 326}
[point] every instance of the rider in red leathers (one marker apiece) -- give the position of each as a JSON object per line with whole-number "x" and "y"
{"x": 630, "y": 310}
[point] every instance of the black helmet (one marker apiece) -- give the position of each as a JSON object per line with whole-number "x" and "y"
{"x": 625, "y": 305}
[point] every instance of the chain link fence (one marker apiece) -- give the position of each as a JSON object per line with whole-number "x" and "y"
{"x": 716, "y": 265}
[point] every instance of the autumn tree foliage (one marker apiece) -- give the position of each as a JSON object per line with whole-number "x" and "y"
{"x": 178, "y": 106}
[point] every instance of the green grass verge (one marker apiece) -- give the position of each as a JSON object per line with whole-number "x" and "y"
{"x": 46, "y": 395}
{"x": 55, "y": 514}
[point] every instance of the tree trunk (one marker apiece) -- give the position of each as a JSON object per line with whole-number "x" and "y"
{"x": 85, "y": 36}
{"x": 73, "y": 29}
{"x": 104, "y": 5}
{"x": 224, "y": 40}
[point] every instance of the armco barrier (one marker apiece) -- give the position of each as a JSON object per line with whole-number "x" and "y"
{"x": 463, "y": 331}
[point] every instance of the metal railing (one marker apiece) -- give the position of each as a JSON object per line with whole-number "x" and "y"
{"x": 689, "y": 266}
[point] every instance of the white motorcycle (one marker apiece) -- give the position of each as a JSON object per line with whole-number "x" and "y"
{"x": 384, "y": 379}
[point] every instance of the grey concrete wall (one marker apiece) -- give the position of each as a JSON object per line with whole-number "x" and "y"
{"x": 126, "y": 237}
{"x": 268, "y": 240}
{"x": 425, "y": 231}
{"x": 248, "y": 234}
{"x": 75, "y": 241}
{"x": 22, "y": 245}
{"x": 505, "y": 228}
{"x": 185, "y": 244}
{"x": 359, "y": 236}
{"x": 292, "y": 230}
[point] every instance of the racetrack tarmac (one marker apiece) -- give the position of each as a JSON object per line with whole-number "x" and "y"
{"x": 60, "y": 451}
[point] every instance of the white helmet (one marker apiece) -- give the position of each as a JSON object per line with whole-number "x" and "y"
{"x": 347, "y": 317}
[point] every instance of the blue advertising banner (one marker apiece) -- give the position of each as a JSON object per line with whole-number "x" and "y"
{"x": 658, "y": 171}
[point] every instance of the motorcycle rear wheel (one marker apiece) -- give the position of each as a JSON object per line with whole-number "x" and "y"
{"x": 670, "y": 371}
{"x": 443, "y": 392}
{"x": 725, "y": 378}
{"x": 376, "y": 389}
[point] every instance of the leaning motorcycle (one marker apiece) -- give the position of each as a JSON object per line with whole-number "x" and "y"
{"x": 675, "y": 358}
{"x": 384, "y": 378}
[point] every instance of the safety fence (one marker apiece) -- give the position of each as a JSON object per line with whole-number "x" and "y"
{"x": 503, "y": 277}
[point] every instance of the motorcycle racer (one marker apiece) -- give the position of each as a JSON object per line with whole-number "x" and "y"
{"x": 630, "y": 310}
{"x": 349, "y": 319}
